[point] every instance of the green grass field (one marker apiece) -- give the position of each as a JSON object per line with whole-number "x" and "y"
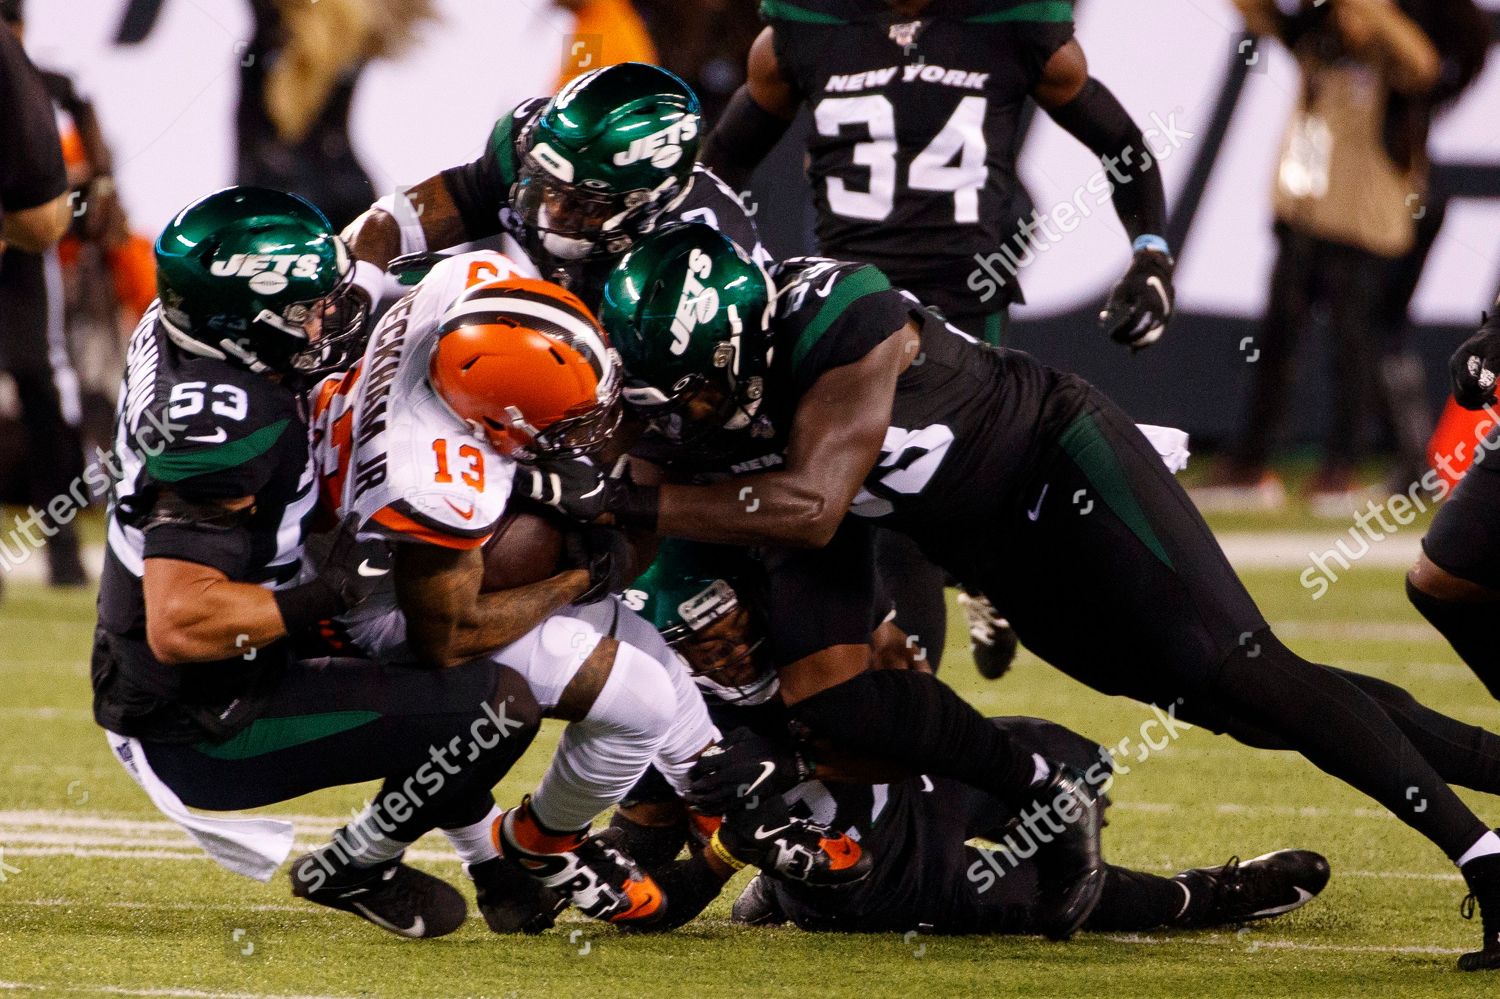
{"x": 99, "y": 896}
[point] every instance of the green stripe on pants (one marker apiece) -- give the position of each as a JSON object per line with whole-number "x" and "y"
{"x": 1090, "y": 450}
{"x": 269, "y": 735}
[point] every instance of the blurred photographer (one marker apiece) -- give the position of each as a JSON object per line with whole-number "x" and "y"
{"x": 1350, "y": 183}
{"x": 33, "y": 185}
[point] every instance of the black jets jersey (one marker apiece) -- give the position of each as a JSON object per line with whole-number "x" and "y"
{"x": 967, "y": 418}
{"x": 482, "y": 189}
{"x": 916, "y": 123}
{"x": 190, "y": 433}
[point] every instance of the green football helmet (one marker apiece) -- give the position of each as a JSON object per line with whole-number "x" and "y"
{"x": 692, "y": 594}
{"x": 601, "y": 162}
{"x": 689, "y": 313}
{"x": 260, "y": 279}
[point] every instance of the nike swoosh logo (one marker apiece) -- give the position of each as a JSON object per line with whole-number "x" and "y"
{"x": 366, "y": 569}
{"x": 416, "y": 929}
{"x": 824, "y": 291}
{"x": 1161, "y": 289}
{"x": 761, "y": 832}
{"x": 459, "y": 510}
{"x": 1036, "y": 511}
{"x": 767, "y": 768}
{"x": 1303, "y": 897}
{"x": 219, "y": 436}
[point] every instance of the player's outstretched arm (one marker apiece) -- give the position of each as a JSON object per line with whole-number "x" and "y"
{"x": 836, "y": 437}
{"x": 448, "y": 620}
{"x": 422, "y": 217}
{"x": 757, "y": 117}
{"x": 1141, "y": 304}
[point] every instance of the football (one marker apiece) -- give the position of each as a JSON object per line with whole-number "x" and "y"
{"x": 525, "y": 548}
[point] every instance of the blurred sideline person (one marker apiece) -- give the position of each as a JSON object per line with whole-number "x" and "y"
{"x": 205, "y": 590}
{"x": 1353, "y": 170}
{"x": 605, "y": 33}
{"x": 704, "y": 598}
{"x": 1455, "y": 583}
{"x": 33, "y": 184}
{"x": 34, "y": 347}
{"x": 917, "y": 106}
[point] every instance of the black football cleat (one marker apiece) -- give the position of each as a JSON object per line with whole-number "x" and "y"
{"x": 1269, "y": 885}
{"x": 797, "y": 849}
{"x": 992, "y": 641}
{"x": 757, "y": 904}
{"x": 397, "y": 898}
{"x": 511, "y": 900}
{"x": 597, "y": 878}
{"x": 1483, "y": 877}
{"x": 1070, "y": 865}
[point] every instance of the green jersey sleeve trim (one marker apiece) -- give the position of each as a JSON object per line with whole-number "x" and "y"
{"x": 169, "y": 467}
{"x": 865, "y": 281}
{"x": 1038, "y": 12}
{"x": 503, "y": 147}
{"x": 781, "y": 10}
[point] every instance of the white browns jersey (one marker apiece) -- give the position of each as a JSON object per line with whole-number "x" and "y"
{"x": 386, "y": 446}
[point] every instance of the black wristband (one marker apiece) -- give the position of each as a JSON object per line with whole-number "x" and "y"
{"x": 634, "y": 505}
{"x": 304, "y": 605}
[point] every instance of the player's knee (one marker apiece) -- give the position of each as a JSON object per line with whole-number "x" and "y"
{"x": 639, "y": 700}
{"x": 514, "y": 703}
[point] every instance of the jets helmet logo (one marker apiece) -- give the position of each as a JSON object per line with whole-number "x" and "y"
{"x": 663, "y": 148}
{"x": 698, "y": 304}
{"x": 267, "y": 271}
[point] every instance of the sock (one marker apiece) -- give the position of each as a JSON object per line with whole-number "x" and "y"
{"x": 472, "y": 842}
{"x": 1484, "y": 846}
{"x": 1134, "y": 901}
{"x": 1469, "y": 628}
{"x": 522, "y": 828}
{"x": 652, "y": 847}
{"x": 365, "y": 842}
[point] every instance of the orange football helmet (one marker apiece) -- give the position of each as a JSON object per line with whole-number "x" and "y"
{"x": 528, "y": 368}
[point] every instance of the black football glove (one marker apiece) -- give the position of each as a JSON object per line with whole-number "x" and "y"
{"x": 348, "y": 573}
{"x": 607, "y": 555}
{"x": 740, "y": 771}
{"x": 1140, "y": 305}
{"x": 1475, "y": 365}
{"x": 582, "y": 491}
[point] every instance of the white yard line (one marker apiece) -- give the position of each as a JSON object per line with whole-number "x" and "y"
{"x": 120, "y": 990}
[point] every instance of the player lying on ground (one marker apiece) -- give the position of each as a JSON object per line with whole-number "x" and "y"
{"x": 574, "y": 179}
{"x": 709, "y": 600}
{"x": 472, "y": 371}
{"x": 918, "y": 114}
{"x": 1456, "y": 581}
{"x": 1024, "y": 482}
{"x": 194, "y": 672}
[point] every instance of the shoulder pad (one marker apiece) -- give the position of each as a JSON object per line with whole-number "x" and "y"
{"x": 815, "y": 12}
{"x": 218, "y": 418}
{"x": 505, "y": 137}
